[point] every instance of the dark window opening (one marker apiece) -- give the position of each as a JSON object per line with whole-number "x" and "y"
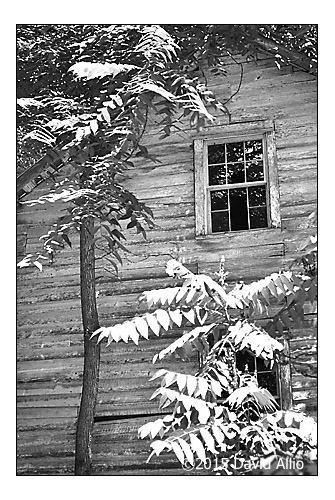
{"x": 267, "y": 377}
{"x": 238, "y": 209}
{"x": 241, "y": 202}
{"x": 246, "y": 362}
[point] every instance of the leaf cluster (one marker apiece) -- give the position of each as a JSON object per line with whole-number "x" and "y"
{"x": 220, "y": 412}
{"x": 94, "y": 116}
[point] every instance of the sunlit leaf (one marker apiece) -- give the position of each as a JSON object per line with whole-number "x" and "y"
{"x": 94, "y": 126}
{"x": 115, "y": 332}
{"x": 37, "y": 264}
{"x": 153, "y": 323}
{"x": 163, "y": 318}
{"x": 198, "y": 447}
{"x": 106, "y": 115}
{"x": 159, "y": 446}
{"x": 203, "y": 410}
{"x": 190, "y": 315}
{"x": 208, "y": 438}
{"x": 103, "y": 334}
{"x": 133, "y": 333}
{"x": 155, "y": 393}
{"x": 91, "y": 70}
{"x": 158, "y": 90}
{"x": 218, "y": 434}
{"x": 142, "y": 326}
{"x": 203, "y": 386}
{"x": 181, "y": 381}
{"x": 178, "y": 451}
{"x": 124, "y": 332}
{"x": 216, "y": 387}
{"x": 187, "y": 450}
{"x": 176, "y": 316}
{"x": 169, "y": 378}
{"x": 191, "y": 385}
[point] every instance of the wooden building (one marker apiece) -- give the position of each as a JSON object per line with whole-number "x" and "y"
{"x": 271, "y": 132}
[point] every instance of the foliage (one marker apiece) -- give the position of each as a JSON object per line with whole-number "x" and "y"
{"x": 221, "y": 414}
{"x": 85, "y": 91}
{"x": 95, "y": 120}
{"x": 108, "y": 79}
{"x": 294, "y": 44}
{"x": 84, "y": 94}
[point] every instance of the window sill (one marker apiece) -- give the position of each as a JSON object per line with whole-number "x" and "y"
{"x": 248, "y": 237}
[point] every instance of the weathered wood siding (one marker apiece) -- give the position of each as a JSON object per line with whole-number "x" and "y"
{"x": 50, "y": 347}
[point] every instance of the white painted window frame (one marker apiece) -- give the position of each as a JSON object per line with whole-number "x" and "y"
{"x": 263, "y": 129}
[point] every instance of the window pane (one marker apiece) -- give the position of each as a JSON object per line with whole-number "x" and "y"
{"x": 268, "y": 380}
{"x": 257, "y": 196}
{"x": 216, "y": 153}
{"x": 258, "y": 217}
{"x": 238, "y": 209}
{"x": 220, "y": 222}
{"x": 262, "y": 366}
{"x": 217, "y": 174}
{"x": 235, "y": 152}
{"x": 255, "y": 171}
{"x": 253, "y": 150}
{"x": 245, "y": 360}
{"x": 219, "y": 200}
{"x": 235, "y": 173}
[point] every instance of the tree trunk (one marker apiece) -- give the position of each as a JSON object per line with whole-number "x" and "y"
{"x": 83, "y": 455}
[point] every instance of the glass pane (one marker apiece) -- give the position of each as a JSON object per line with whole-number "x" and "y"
{"x": 216, "y": 153}
{"x": 235, "y": 152}
{"x": 257, "y": 196}
{"x": 255, "y": 171}
{"x": 235, "y": 173}
{"x": 268, "y": 380}
{"x": 245, "y": 360}
{"x": 262, "y": 367}
{"x": 238, "y": 209}
{"x": 217, "y": 174}
{"x": 254, "y": 150}
{"x": 258, "y": 217}
{"x": 219, "y": 200}
{"x": 220, "y": 222}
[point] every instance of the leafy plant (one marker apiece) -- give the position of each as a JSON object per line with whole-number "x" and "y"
{"x": 94, "y": 122}
{"x": 85, "y": 102}
{"x": 221, "y": 414}
{"x": 84, "y": 94}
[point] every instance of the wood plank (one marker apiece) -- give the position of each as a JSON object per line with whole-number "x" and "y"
{"x": 49, "y": 318}
{"x": 116, "y": 448}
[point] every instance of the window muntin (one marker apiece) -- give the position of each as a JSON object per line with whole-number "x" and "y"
{"x": 276, "y": 378}
{"x": 267, "y": 377}
{"x": 259, "y": 168}
{"x": 236, "y": 186}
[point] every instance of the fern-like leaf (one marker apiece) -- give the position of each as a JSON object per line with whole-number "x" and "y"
{"x": 244, "y": 334}
{"x": 183, "y": 340}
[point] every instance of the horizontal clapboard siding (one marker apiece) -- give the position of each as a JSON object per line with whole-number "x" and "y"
{"x": 118, "y": 451}
{"x": 49, "y": 331}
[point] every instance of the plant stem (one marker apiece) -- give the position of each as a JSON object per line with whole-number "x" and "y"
{"x": 83, "y": 454}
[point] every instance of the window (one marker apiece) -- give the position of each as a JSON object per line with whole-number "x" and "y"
{"x": 267, "y": 377}
{"x": 276, "y": 379}
{"x": 236, "y": 183}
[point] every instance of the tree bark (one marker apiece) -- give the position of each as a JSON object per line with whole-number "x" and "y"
{"x": 83, "y": 453}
